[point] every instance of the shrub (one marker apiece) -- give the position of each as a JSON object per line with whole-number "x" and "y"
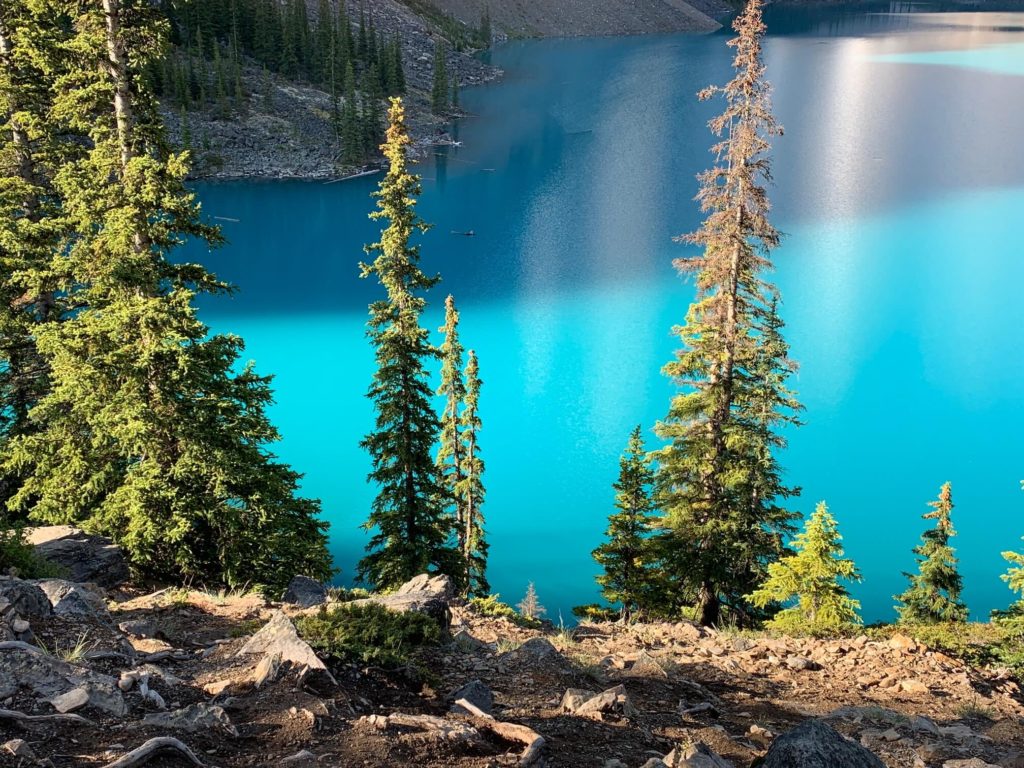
{"x": 596, "y": 613}
{"x": 492, "y": 607}
{"x": 368, "y": 634}
{"x": 17, "y": 555}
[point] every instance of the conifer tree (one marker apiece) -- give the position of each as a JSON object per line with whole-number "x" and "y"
{"x": 412, "y": 528}
{"x": 470, "y": 491}
{"x": 530, "y": 606}
{"x": 351, "y": 130}
{"x": 439, "y": 91}
{"x": 453, "y": 389}
{"x": 810, "y": 577}
{"x": 148, "y": 434}
{"x": 934, "y": 592}
{"x": 721, "y": 517}
{"x": 1014, "y": 578}
{"x": 455, "y": 94}
{"x": 626, "y": 556}
{"x": 486, "y": 32}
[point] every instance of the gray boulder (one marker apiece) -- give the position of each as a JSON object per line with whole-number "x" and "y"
{"x": 305, "y": 592}
{"x": 82, "y": 556}
{"x": 813, "y": 744}
{"x": 70, "y": 599}
{"x": 195, "y": 718}
{"x": 23, "y": 598}
{"x": 427, "y": 594}
{"x": 698, "y": 755}
{"x": 279, "y": 638}
{"x": 47, "y": 678}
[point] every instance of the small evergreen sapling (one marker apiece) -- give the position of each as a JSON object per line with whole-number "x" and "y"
{"x": 811, "y": 578}
{"x": 626, "y": 556}
{"x": 934, "y": 592}
{"x": 1014, "y": 578}
{"x": 530, "y": 606}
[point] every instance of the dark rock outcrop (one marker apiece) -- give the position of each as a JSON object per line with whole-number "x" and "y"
{"x": 813, "y": 744}
{"x": 23, "y": 598}
{"x": 429, "y": 594}
{"x": 70, "y": 599}
{"x": 305, "y": 592}
{"x": 82, "y": 556}
{"x": 477, "y": 694}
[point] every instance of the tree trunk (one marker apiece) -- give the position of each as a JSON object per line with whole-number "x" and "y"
{"x": 709, "y": 608}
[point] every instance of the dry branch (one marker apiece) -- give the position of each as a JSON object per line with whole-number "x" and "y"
{"x": 150, "y": 749}
{"x": 10, "y": 714}
{"x": 514, "y": 732}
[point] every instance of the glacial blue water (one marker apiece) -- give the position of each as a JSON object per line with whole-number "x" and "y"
{"x": 899, "y": 184}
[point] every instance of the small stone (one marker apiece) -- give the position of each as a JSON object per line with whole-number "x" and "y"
{"x": 901, "y": 642}
{"x": 304, "y": 754}
{"x": 761, "y": 733}
{"x": 913, "y": 686}
{"x": 127, "y": 681}
{"x": 800, "y": 663}
{"x": 891, "y": 735}
{"x": 218, "y": 687}
{"x": 574, "y": 698}
{"x": 20, "y": 626}
{"x": 698, "y": 755}
{"x": 19, "y": 748}
{"x": 647, "y": 666}
{"x": 974, "y": 762}
{"x": 267, "y": 669}
{"x": 696, "y": 709}
{"x": 70, "y": 701}
{"x": 476, "y": 693}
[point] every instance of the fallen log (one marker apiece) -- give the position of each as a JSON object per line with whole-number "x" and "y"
{"x": 151, "y": 749}
{"x": 454, "y": 732}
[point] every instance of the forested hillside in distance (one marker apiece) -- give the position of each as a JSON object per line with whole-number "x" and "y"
{"x": 296, "y": 88}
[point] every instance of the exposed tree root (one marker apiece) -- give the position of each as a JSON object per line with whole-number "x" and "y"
{"x": 151, "y": 749}
{"x": 20, "y": 717}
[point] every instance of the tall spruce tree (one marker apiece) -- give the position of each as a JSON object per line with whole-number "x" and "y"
{"x": 148, "y": 434}
{"x": 811, "y": 577}
{"x": 470, "y": 491}
{"x": 413, "y": 531}
{"x": 934, "y": 592}
{"x": 627, "y": 555}
{"x": 439, "y": 91}
{"x": 722, "y": 520}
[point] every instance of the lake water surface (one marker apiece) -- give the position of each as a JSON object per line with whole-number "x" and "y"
{"x": 899, "y": 184}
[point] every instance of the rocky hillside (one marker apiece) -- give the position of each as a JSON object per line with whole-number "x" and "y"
{"x": 567, "y": 18}
{"x": 114, "y": 677}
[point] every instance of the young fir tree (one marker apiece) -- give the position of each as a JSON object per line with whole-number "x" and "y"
{"x": 722, "y": 519}
{"x": 810, "y": 577}
{"x": 439, "y": 91}
{"x": 626, "y": 556}
{"x": 486, "y": 32}
{"x": 412, "y": 527}
{"x": 449, "y": 459}
{"x": 470, "y": 491}
{"x": 148, "y": 434}
{"x": 530, "y": 606}
{"x": 934, "y": 592}
{"x": 1014, "y": 578}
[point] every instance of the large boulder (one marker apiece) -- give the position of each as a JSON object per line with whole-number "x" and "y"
{"x": 279, "y": 640}
{"x": 813, "y": 744}
{"x": 82, "y": 556}
{"x": 23, "y": 598}
{"x": 429, "y": 594}
{"x": 305, "y": 592}
{"x": 49, "y": 679}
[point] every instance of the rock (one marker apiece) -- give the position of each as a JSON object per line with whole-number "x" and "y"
{"x": 70, "y": 599}
{"x": 646, "y": 666}
{"x": 901, "y": 642}
{"x": 425, "y": 594}
{"x": 614, "y": 700}
{"x": 654, "y": 762}
{"x": 574, "y": 698}
{"x": 761, "y": 733}
{"x": 922, "y": 724}
{"x": 974, "y": 762}
{"x": 20, "y": 626}
{"x": 800, "y": 663}
{"x": 299, "y": 756}
{"x": 84, "y": 558}
{"x": 70, "y": 701}
{"x": 23, "y": 598}
{"x": 813, "y": 744}
{"x": 477, "y": 694}
{"x": 614, "y": 763}
{"x": 218, "y": 687}
{"x": 305, "y": 592}
{"x": 535, "y": 648}
{"x": 279, "y": 636}
{"x": 194, "y": 718}
{"x": 267, "y": 669}
{"x": 913, "y": 686}
{"x": 696, "y": 709}
{"x": 19, "y": 748}
{"x": 48, "y": 678}
{"x": 698, "y": 755}
{"x": 141, "y": 628}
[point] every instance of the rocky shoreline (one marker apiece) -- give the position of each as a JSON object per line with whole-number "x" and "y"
{"x": 112, "y": 677}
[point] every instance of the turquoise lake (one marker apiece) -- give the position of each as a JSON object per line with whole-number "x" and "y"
{"x": 899, "y": 184}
